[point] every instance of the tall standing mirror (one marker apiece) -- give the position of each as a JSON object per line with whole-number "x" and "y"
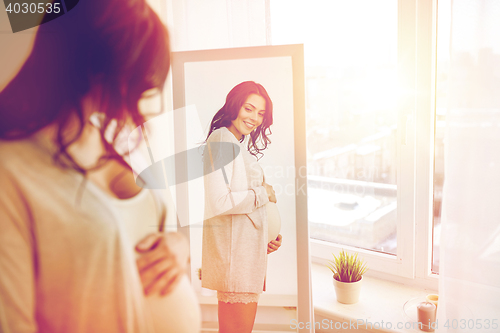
{"x": 201, "y": 81}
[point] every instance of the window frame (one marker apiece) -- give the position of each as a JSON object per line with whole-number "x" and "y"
{"x": 412, "y": 264}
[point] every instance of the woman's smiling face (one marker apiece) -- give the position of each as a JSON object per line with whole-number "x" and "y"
{"x": 250, "y": 116}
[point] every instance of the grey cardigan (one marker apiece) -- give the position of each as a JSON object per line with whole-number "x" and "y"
{"x": 234, "y": 257}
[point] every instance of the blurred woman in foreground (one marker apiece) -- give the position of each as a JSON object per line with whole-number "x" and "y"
{"x": 71, "y": 213}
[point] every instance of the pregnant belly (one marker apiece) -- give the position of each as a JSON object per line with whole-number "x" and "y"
{"x": 177, "y": 312}
{"x": 273, "y": 221}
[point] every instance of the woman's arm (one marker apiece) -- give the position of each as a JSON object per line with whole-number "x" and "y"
{"x": 220, "y": 199}
{"x": 17, "y": 265}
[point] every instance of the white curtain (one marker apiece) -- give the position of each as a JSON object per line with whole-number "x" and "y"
{"x": 469, "y": 285}
{"x": 214, "y": 24}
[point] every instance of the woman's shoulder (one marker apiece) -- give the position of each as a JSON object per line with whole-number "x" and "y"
{"x": 222, "y": 134}
{"x": 24, "y": 157}
{"x": 20, "y": 164}
{"x": 15, "y": 152}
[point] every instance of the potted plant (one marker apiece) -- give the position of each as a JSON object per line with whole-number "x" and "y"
{"x": 348, "y": 273}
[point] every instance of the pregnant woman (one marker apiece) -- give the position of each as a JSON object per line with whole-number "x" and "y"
{"x": 235, "y": 230}
{"x": 72, "y": 219}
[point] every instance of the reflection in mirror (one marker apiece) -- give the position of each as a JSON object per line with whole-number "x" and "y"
{"x": 233, "y": 251}
{"x": 235, "y": 226}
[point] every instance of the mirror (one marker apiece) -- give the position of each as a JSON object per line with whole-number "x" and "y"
{"x": 201, "y": 81}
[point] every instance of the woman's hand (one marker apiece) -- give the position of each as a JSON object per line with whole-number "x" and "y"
{"x": 274, "y": 244}
{"x": 163, "y": 261}
{"x": 270, "y": 192}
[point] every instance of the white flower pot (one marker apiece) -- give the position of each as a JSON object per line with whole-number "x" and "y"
{"x": 347, "y": 292}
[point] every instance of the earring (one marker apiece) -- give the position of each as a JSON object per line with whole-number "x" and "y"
{"x": 97, "y": 119}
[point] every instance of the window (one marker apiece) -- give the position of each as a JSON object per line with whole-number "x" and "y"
{"x": 369, "y": 133}
{"x": 351, "y": 79}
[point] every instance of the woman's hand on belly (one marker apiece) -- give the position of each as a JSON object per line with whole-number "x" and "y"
{"x": 274, "y": 244}
{"x": 163, "y": 261}
{"x": 270, "y": 192}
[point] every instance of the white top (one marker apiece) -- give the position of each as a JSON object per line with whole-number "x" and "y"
{"x": 179, "y": 311}
{"x": 67, "y": 263}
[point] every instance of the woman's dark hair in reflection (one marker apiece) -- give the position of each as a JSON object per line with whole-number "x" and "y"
{"x": 235, "y": 99}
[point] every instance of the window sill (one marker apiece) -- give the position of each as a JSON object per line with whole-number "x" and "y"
{"x": 380, "y": 301}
